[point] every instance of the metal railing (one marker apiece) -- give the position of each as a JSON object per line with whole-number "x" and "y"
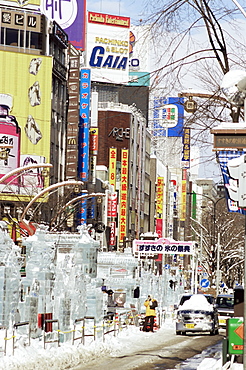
{"x": 52, "y": 340}
{"x": 5, "y": 340}
{"x": 18, "y": 325}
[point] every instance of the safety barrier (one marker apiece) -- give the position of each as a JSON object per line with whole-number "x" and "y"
{"x": 107, "y": 323}
{"x": 94, "y": 328}
{"x": 5, "y": 340}
{"x": 57, "y": 339}
{"x": 15, "y": 327}
{"x": 74, "y": 338}
{"x": 82, "y": 325}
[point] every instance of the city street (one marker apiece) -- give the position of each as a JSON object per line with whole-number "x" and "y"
{"x": 160, "y": 350}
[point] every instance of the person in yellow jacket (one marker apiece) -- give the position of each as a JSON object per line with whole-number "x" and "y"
{"x": 150, "y": 305}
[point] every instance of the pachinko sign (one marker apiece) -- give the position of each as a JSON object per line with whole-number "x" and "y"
{"x": 162, "y": 246}
{"x": 108, "y": 47}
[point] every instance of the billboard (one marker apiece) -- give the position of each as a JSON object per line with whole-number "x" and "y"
{"x": 30, "y": 4}
{"x": 159, "y": 205}
{"x": 185, "y": 160}
{"x": 70, "y": 15}
{"x": 139, "y": 52}
{"x": 223, "y": 157}
{"x": 84, "y": 113}
{"x": 107, "y": 50}
{"x": 123, "y": 194}
{"x": 162, "y": 246}
{"x": 168, "y": 116}
{"x": 25, "y": 104}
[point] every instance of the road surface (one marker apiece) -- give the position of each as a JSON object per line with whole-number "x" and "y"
{"x": 160, "y": 352}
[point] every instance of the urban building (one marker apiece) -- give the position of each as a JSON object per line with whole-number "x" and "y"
{"x": 34, "y": 68}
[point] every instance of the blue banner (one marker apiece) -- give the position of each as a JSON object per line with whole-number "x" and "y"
{"x": 223, "y": 157}
{"x": 168, "y": 117}
{"x": 84, "y": 113}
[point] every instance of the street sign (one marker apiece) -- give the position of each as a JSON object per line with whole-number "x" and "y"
{"x": 204, "y": 283}
{"x": 199, "y": 268}
{"x": 235, "y": 336}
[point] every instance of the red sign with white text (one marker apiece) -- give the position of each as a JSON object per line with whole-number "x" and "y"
{"x": 112, "y": 239}
{"x": 112, "y": 205}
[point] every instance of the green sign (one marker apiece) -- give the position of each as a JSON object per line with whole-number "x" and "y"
{"x": 235, "y": 336}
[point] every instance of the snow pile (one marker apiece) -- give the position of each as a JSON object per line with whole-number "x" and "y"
{"x": 197, "y": 302}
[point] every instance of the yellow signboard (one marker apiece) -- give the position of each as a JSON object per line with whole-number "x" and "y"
{"x": 159, "y": 195}
{"x": 112, "y": 166}
{"x": 25, "y": 104}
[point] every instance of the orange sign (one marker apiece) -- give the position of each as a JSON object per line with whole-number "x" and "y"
{"x": 159, "y": 195}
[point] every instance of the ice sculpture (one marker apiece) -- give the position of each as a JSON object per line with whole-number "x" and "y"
{"x": 10, "y": 265}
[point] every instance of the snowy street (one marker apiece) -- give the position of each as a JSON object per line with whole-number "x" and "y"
{"x": 126, "y": 351}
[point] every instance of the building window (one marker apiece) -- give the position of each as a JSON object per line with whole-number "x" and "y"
{"x": 11, "y": 37}
{"x": 21, "y": 38}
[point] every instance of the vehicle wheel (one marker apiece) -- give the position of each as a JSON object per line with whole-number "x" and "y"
{"x": 178, "y": 332}
{"x": 217, "y": 331}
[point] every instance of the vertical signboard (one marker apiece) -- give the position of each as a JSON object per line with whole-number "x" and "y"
{"x": 112, "y": 204}
{"x": 183, "y": 196}
{"x": 25, "y": 113}
{"x": 70, "y": 15}
{"x": 112, "y": 239}
{"x": 159, "y": 205}
{"x": 223, "y": 157}
{"x": 72, "y": 118}
{"x": 84, "y": 112}
{"x": 168, "y": 116}
{"x": 123, "y": 195}
{"x": 112, "y": 166}
{"x": 185, "y": 161}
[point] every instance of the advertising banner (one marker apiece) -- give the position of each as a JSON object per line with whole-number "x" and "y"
{"x": 25, "y": 114}
{"x": 162, "y": 246}
{"x": 70, "y": 15}
{"x": 223, "y": 157}
{"x": 112, "y": 166}
{"x": 107, "y": 51}
{"x": 185, "y": 161}
{"x": 112, "y": 239}
{"x": 94, "y": 141}
{"x": 168, "y": 116}
{"x": 139, "y": 52}
{"x": 30, "y": 4}
{"x": 183, "y": 196}
{"x": 159, "y": 205}
{"x": 112, "y": 204}
{"x": 84, "y": 112}
{"x": 123, "y": 194}
{"x": 72, "y": 119}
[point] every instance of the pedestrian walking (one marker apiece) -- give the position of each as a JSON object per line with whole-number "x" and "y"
{"x": 150, "y": 314}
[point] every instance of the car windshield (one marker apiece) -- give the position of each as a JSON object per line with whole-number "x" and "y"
{"x": 225, "y": 302}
